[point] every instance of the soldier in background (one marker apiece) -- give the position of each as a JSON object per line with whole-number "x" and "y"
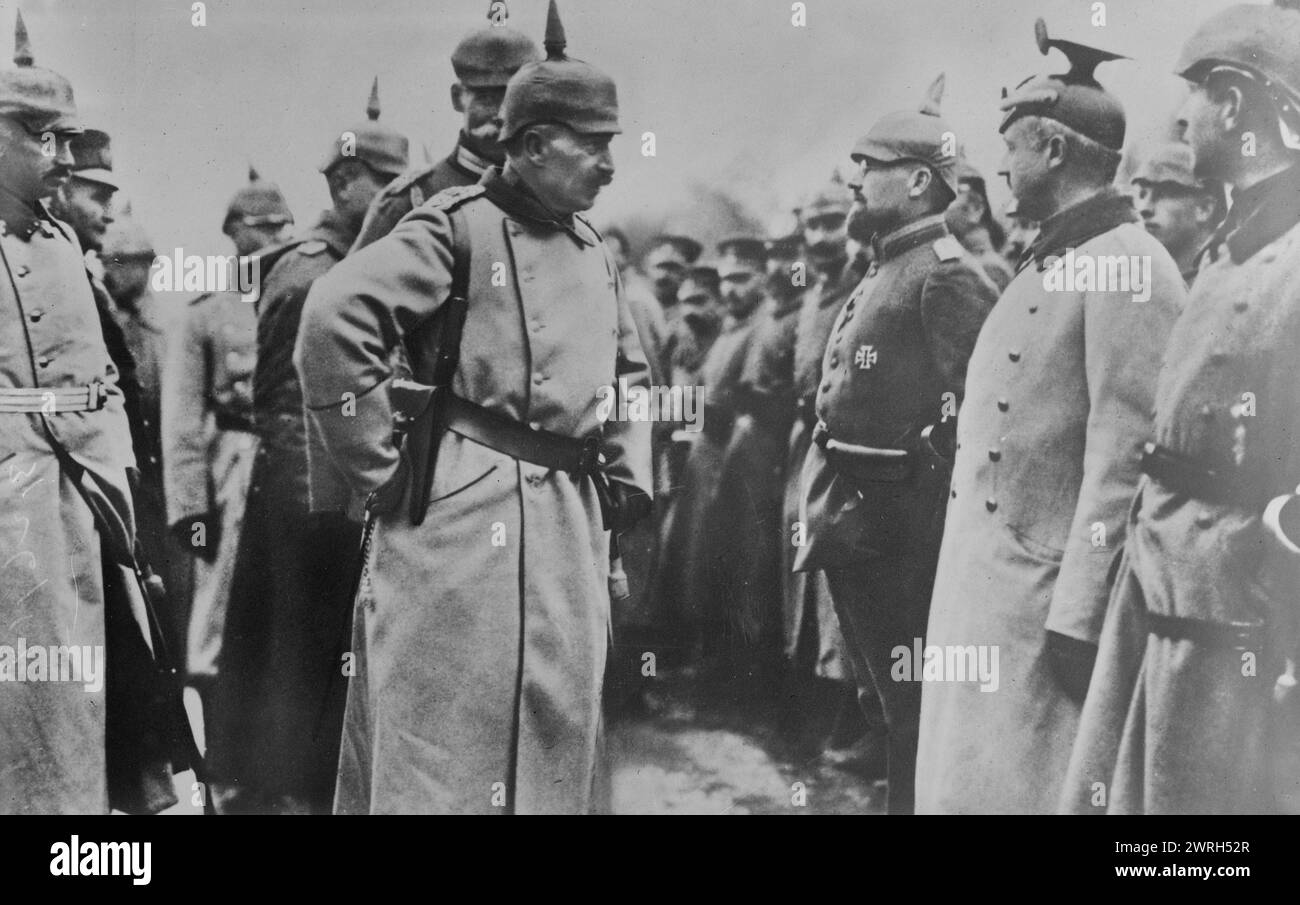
{"x": 970, "y": 217}
{"x": 1192, "y": 709}
{"x": 1058, "y": 403}
{"x": 279, "y": 694}
{"x": 1176, "y": 207}
{"x": 875, "y": 481}
{"x": 483, "y": 617}
{"x": 68, "y": 525}
{"x": 483, "y": 63}
{"x": 665, "y": 265}
{"x": 820, "y": 671}
{"x": 207, "y": 422}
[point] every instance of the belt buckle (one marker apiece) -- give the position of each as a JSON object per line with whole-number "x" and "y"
{"x": 591, "y": 458}
{"x": 821, "y": 434}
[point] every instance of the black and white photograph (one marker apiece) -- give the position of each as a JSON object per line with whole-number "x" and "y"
{"x": 650, "y": 407}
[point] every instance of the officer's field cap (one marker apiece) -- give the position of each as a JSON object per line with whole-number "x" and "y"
{"x": 921, "y": 135}
{"x": 1074, "y": 98}
{"x": 559, "y": 89}
{"x": 92, "y": 156}
{"x": 259, "y": 203}
{"x": 747, "y": 249}
{"x": 384, "y": 149}
{"x": 38, "y": 98}
{"x": 488, "y": 57}
{"x": 1263, "y": 41}
{"x": 1168, "y": 164}
{"x": 687, "y": 247}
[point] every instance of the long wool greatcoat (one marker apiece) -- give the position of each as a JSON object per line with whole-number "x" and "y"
{"x": 480, "y": 636}
{"x": 1058, "y": 404}
{"x": 1187, "y": 725}
{"x": 52, "y": 576}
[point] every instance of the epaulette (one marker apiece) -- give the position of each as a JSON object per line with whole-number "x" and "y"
{"x": 451, "y": 198}
{"x": 406, "y": 182}
{"x": 947, "y": 248}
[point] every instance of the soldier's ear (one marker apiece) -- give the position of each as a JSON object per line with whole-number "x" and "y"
{"x": 458, "y": 97}
{"x": 919, "y": 183}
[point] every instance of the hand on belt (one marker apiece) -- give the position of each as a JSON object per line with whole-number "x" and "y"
{"x": 54, "y": 400}
{"x": 1208, "y": 483}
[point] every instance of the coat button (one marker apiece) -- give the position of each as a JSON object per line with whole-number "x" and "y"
{"x": 22, "y": 270}
{"x": 1207, "y": 413}
{"x": 535, "y": 425}
{"x": 953, "y": 493}
{"x": 995, "y": 455}
{"x": 1218, "y": 357}
{"x": 826, "y": 387}
{"x": 1204, "y": 519}
{"x": 37, "y": 314}
{"x": 1003, "y": 405}
{"x": 1013, "y": 355}
{"x": 835, "y": 360}
{"x": 537, "y": 379}
{"x": 991, "y": 504}
{"x": 43, "y": 362}
{"x": 1240, "y": 306}
{"x": 1033, "y": 309}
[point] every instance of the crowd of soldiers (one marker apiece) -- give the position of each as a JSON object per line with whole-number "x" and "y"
{"x": 956, "y": 511}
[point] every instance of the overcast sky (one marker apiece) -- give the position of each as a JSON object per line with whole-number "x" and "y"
{"x": 736, "y": 95}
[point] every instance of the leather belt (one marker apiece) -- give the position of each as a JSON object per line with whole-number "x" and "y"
{"x": 1229, "y": 635}
{"x": 54, "y": 400}
{"x": 1208, "y": 483}
{"x": 575, "y": 455}
{"x": 231, "y": 421}
{"x": 864, "y": 463}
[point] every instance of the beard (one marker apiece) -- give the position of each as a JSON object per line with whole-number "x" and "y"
{"x": 862, "y": 224}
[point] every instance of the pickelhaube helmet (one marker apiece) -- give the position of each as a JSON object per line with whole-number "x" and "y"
{"x": 743, "y": 248}
{"x": 559, "y": 89}
{"x": 125, "y": 238}
{"x": 384, "y": 149}
{"x": 1168, "y": 164}
{"x": 488, "y": 57}
{"x": 92, "y": 157}
{"x": 39, "y": 98}
{"x": 258, "y": 203}
{"x": 831, "y": 198}
{"x": 920, "y": 135}
{"x": 1261, "y": 40}
{"x": 1074, "y": 98}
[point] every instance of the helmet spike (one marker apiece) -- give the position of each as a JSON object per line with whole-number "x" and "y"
{"x": 22, "y": 43}
{"x": 372, "y": 105}
{"x": 554, "y": 41}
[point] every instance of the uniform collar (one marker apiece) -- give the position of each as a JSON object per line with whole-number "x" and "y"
{"x": 1076, "y": 224}
{"x": 905, "y": 238}
{"x": 22, "y": 219}
{"x": 509, "y": 193}
{"x": 467, "y": 160}
{"x": 1259, "y": 215}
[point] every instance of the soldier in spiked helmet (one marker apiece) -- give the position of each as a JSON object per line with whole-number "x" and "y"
{"x": 278, "y": 695}
{"x": 873, "y": 485}
{"x": 482, "y": 622}
{"x": 1058, "y": 403}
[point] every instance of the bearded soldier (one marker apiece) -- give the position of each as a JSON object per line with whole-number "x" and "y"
{"x": 483, "y": 63}
{"x": 278, "y": 696}
{"x": 893, "y": 371}
{"x": 1058, "y": 404}
{"x": 1201, "y": 631}
{"x": 482, "y": 624}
